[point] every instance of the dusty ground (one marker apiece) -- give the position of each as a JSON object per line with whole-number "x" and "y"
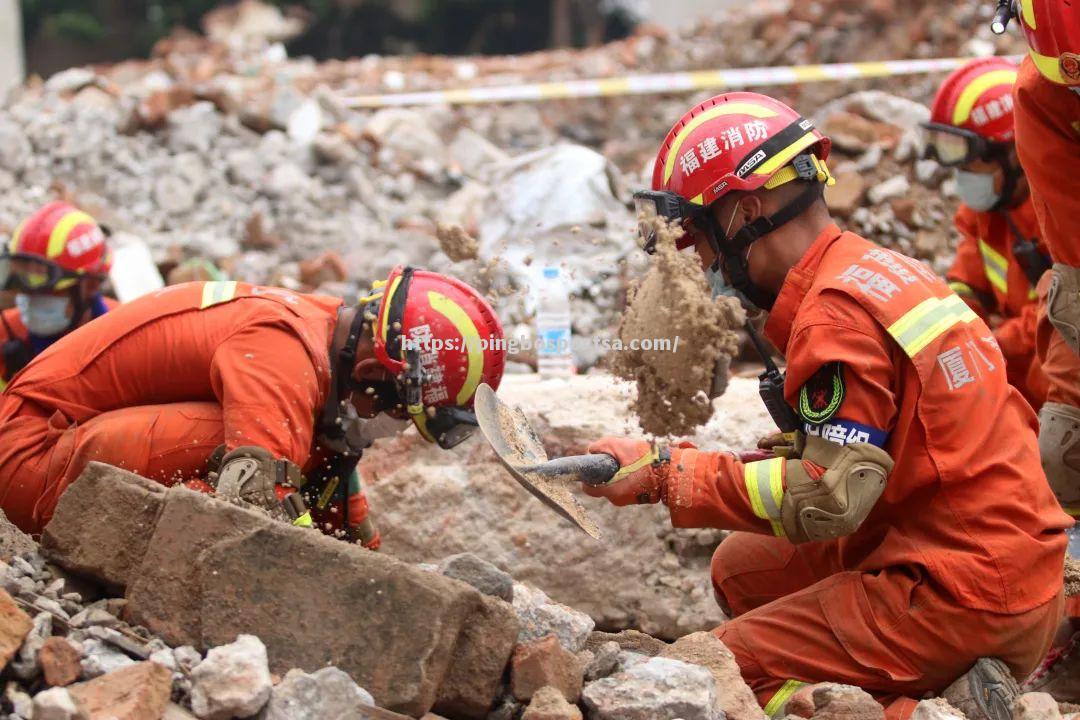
{"x": 643, "y": 574}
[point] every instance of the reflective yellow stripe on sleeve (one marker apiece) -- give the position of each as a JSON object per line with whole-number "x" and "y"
{"x": 765, "y": 486}
{"x": 961, "y": 288}
{"x": 215, "y": 293}
{"x": 924, "y": 323}
{"x": 996, "y": 266}
{"x": 3, "y": 384}
{"x": 775, "y": 706}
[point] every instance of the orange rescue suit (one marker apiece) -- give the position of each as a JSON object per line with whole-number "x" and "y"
{"x": 989, "y": 278}
{"x": 1048, "y": 143}
{"x": 961, "y": 556}
{"x": 157, "y": 384}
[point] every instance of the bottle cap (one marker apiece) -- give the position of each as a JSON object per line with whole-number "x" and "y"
{"x": 551, "y": 272}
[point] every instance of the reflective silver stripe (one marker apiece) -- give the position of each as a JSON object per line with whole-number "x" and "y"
{"x": 928, "y": 320}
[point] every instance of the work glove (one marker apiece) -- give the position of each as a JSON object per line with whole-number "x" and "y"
{"x": 249, "y": 476}
{"x": 643, "y": 470}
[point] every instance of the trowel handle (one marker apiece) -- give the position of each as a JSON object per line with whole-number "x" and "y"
{"x": 595, "y": 469}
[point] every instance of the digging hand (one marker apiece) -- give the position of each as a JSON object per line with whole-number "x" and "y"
{"x": 643, "y": 468}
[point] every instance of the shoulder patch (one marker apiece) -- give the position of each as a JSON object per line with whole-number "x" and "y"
{"x": 823, "y": 394}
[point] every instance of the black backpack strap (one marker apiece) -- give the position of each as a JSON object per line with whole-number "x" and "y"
{"x": 1033, "y": 262}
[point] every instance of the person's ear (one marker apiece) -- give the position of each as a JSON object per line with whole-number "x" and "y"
{"x": 751, "y": 208}
{"x": 370, "y": 368}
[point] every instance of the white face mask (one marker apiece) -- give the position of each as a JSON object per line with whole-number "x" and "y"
{"x": 976, "y": 190}
{"x": 361, "y": 432}
{"x": 44, "y": 315}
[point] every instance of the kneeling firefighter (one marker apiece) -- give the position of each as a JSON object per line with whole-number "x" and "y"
{"x": 260, "y": 394}
{"x": 898, "y": 544}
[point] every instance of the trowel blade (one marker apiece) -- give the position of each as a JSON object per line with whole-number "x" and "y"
{"x": 519, "y": 450}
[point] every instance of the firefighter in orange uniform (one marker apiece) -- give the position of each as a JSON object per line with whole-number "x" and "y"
{"x": 907, "y": 539}
{"x": 1047, "y": 99}
{"x": 56, "y": 261}
{"x": 999, "y": 258}
{"x": 278, "y": 392}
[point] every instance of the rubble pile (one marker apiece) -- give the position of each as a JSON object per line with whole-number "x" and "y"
{"x": 355, "y": 636}
{"x": 223, "y": 149}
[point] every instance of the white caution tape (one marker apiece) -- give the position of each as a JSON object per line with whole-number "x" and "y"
{"x": 660, "y": 83}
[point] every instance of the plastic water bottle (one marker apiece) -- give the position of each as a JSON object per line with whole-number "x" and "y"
{"x": 553, "y": 354}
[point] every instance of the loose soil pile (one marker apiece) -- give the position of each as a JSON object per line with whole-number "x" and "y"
{"x": 672, "y": 312}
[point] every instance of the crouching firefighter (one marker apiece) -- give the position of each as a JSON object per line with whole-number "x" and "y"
{"x": 265, "y": 396}
{"x": 907, "y": 539}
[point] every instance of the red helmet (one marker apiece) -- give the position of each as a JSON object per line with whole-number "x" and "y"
{"x": 735, "y": 141}
{"x": 54, "y": 249}
{"x": 1052, "y": 29}
{"x": 978, "y": 97}
{"x": 441, "y": 339}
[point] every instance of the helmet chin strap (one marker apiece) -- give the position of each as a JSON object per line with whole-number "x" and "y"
{"x": 732, "y": 252}
{"x": 1012, "y": 179}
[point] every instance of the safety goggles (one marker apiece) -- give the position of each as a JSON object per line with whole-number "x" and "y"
{"x": 953, "y": 146}
{"x": 653, "y": 206}
{"x": 30, "y": 273}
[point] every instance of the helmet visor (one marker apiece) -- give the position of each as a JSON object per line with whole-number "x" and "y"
{"x": 33, "y": 274}
{"x": 451, "y": 426}
{"x": 653, "y": 208}
{"x": 953, "y": 146}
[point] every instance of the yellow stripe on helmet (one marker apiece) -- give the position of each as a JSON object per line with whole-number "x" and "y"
{"x": 1027, "y": 13}
{"x": 1050, "y": 67}
{"x": 13, "y": 246}
{"x": 384, "y": 317}
{"x": 975, "y": 90}
{"x": 470, "y": 336}
{"x": 59, "y": 236}
{"x": 735, "y": 108}
{"x": 785, "y": 156}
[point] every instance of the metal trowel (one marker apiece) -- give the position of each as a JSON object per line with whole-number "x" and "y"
{"x": 521, "y": 452}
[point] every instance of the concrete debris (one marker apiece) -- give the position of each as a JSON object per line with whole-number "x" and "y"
{"x": 59, "y": 661}
{"x": 99, "y": 658}
{"x": 733, "y": 696}
{"x": 56, "y": 704}
{"x": 25, "y": 665}
{"x": 479, "y": 573}
{"x": 540, "y": 617}
{"x": 845, "y": 702}
{"x": 545, "y": 663}
{"x": 603, "y": 661}
{"x": 1036, "y": 706}
{"x": 548, "y": 703}
{"x": 233, "y": 680}
{"x": 936, "y": 709}
{"x": 15, "y": 625}
{"x": 138, "y": 692}
{"x": 657, "y": 689}
{"x": 326, "y": 694}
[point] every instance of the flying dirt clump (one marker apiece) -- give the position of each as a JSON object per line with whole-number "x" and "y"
{"x": 688, "y": 332}
{"x": 456, "y": 243}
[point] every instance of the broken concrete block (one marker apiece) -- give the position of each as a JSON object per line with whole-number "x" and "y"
{"x": 56, "y": 704}
{"x": 540, "y": 617}
{"x": 548, "y": 703}
{"x": 604, "y": 660}
{"x": 13, "y": 541}
{"x": 936, "y": 709}
{"x": 658, "y": 689}
{"x": 138, "y": 692}
{"x": 545, "y": 663}
{"x": 103, "y": 523}
{"x": 233, "y": 680}
{"x": 733, "y": 695}
{"x": 164, "y": 596}
{"x": 100, "y": 658}
{"x": 483, "y": 648}
{"x": 15, "y": 625}
{"x": 1036, "y": 706}
{"x": 479, "y": 573}
{"x": 833, "y": 701}
{"x": 59, "y": 661}
{"x": 630, "y": 640}
{"x": 327, "y": 694}
{"x": 392, "y": 627}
